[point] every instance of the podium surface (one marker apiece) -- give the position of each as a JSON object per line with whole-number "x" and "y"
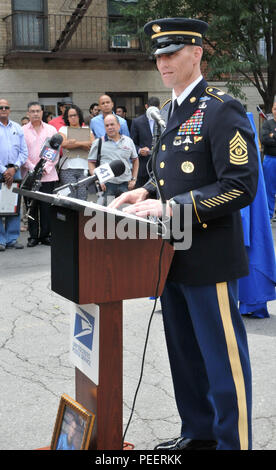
{"x": 88, "y": 268}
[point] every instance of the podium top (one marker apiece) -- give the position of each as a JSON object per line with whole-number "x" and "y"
{"x": 88, "y": 206}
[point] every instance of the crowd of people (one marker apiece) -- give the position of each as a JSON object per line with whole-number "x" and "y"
{"x": 103, "y": 136}
{"x": 123, "y": 138}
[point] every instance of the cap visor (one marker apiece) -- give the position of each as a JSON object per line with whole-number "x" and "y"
{"x": 169, "y": 49}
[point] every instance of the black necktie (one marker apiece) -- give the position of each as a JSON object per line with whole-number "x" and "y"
{"x": 175, "y": 106}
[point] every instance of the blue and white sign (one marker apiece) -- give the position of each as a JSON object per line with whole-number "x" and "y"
{"x": 104, "y": 173}
{"x": 84, "y": 347}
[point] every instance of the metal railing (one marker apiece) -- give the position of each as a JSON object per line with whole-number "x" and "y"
{"x": 27, "y": 31}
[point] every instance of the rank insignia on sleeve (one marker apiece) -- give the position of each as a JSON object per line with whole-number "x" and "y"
{"x": 238, "y": 150}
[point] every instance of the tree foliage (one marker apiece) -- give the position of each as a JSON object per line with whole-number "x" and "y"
{"x": 237, "y": 28}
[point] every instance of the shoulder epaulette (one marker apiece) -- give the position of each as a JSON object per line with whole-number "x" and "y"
{"x": 165, "y": 103}
{"x": 216, "y": 93}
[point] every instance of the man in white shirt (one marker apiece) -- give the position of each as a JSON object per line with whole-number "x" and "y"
{"x": 115, "y": 147}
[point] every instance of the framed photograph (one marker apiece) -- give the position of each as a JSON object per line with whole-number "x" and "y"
{"x": 73, "y": 427}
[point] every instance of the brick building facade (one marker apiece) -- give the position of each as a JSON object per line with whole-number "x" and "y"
{"x": 50, "y": 50}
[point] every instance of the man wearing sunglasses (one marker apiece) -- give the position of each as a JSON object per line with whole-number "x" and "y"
{"x": 13, "y": 153}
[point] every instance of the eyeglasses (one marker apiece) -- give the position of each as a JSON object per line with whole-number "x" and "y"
{"x": 72, "y": 115}
{"x": 4, "y": 107}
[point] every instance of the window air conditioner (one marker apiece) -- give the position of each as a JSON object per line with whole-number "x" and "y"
{"x": 120, "y": 41}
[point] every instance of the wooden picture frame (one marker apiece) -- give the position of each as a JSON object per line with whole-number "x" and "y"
{"x": 73, "y": 427}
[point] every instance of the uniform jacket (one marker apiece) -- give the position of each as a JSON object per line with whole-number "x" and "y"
{"x": 268, "y": 141}
{"x": 142, "y": 137}
{"x": 207, "y": 158}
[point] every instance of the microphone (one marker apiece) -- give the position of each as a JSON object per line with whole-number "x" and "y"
{"x": 260, "y": 111}
{"x": 56, "y": 141}
{"x": 154, "y": 113}
{"x": 102, "y": 174}
{"x": 49, "y": 152}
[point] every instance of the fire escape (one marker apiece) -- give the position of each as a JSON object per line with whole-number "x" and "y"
{"x": 77, "y": 36}
{"x": 72, "y": 25}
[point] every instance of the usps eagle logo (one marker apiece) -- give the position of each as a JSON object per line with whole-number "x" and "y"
{"x": 84, "y": 328}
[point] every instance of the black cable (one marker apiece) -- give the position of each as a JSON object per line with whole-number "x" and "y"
{"x": 146, "y": 341}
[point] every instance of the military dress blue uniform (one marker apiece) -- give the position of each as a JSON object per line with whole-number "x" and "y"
{"x": 207, "y": 158}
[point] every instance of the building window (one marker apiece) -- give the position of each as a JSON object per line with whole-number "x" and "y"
{"x": 122, "y": 31}
{"x": 29, "y": 24}
{"x": 134, "y": 102}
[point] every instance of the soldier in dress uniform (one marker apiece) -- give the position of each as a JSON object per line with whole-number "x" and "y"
{"x": 207, "y": 158}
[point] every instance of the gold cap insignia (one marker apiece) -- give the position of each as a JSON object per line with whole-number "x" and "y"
{"x": 238, "y": 150}
{"x": 156, "y": 28}
{"x": 187, "y": 167}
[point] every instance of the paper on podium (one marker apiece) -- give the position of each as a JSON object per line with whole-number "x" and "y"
{"x": 89, "y": 208}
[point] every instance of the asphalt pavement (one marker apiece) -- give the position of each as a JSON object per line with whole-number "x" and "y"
{"x": 35, "y": 368}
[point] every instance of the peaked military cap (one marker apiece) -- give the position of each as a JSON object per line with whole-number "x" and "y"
{"x": 172, "y": 34}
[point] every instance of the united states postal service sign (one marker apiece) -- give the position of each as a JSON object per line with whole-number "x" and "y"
{"x": 84, "y": 340}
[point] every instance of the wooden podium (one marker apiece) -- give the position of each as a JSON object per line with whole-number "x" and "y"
{"x": 104, "y": 272}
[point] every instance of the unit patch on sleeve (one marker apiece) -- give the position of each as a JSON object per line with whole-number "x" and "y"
{"x": 238, "y": 150}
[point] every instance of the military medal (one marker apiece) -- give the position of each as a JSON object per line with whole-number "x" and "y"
{"x": 202, "y": 105}
{"x": 187, "y": 167}
{"x": 177, "y": 141}
{"x": 193, "y": 125}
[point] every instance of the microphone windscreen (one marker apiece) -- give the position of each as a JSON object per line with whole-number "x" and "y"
{"x": 56, "y": 141}
{"x": 118, "y": 167}
{"x": 152, "y": 112}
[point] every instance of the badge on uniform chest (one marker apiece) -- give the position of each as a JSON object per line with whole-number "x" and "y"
{"x": 188, "y": 132}
{"x": 193, "y": 125}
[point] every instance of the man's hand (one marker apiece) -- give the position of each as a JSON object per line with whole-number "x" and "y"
{"x": 131, "y": 197}
{"x": 8, "y": 176}
{"x": 144, "y": 151}
{"x": 131, "y": 184}
{"x": 149, "y": 207}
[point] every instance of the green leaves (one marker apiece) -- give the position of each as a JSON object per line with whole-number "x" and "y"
{"x": 237, "y": 30}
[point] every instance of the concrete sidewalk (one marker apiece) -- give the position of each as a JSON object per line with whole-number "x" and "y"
{"x": 35, "y": 368}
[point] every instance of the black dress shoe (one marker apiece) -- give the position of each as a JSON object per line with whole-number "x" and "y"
{"x": 32, "y": 242}
{"x": 183, "y": 443}
{"x": 45, "y": 241}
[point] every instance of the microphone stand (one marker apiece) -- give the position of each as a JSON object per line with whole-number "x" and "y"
{"x": 157, "y": 134}
{"x": 72, "y": 186}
